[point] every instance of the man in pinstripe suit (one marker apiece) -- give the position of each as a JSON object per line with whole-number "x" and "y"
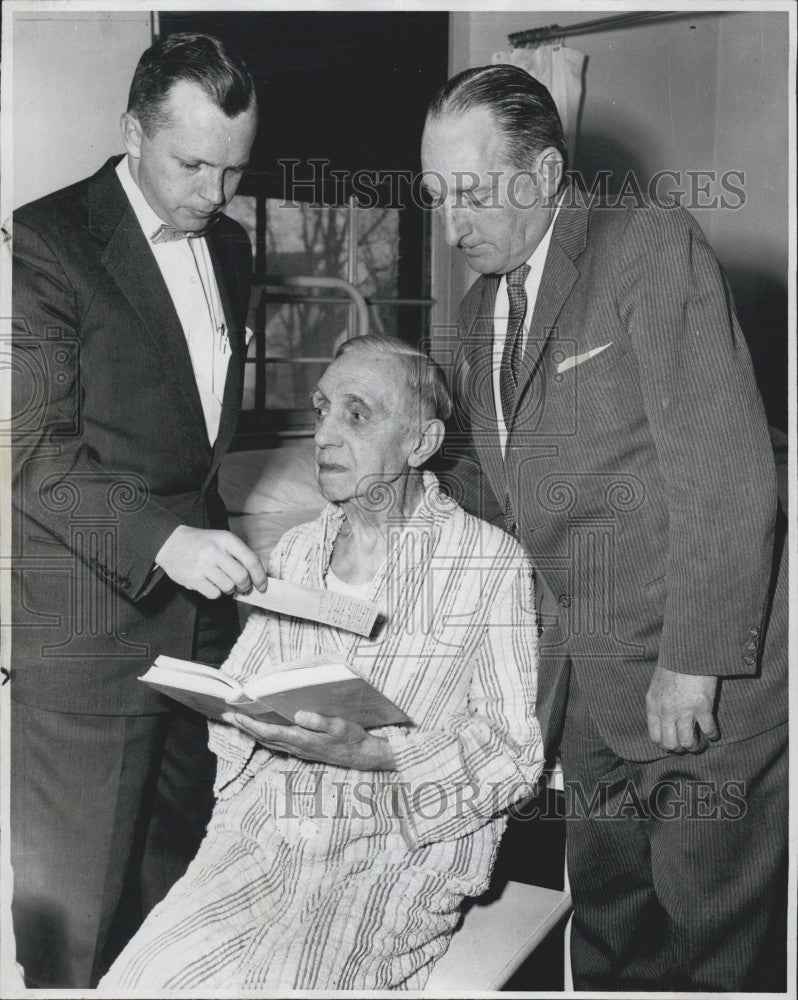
{"x": 612, "y": 411}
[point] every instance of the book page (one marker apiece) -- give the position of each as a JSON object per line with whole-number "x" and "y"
{"x": 205, "y": 689}
{"x": 295, "y": 676}
{"x": 192, "y": 669}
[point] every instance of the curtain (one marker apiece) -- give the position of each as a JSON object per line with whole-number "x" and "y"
{"x": 560, "y": 70}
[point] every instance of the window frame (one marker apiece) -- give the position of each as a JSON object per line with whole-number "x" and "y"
{"x": 260, "y": 424}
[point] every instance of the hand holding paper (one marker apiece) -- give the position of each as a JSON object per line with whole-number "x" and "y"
{"x": 210, "y": 562}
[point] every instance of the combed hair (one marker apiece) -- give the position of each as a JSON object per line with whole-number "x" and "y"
{"x": 200, "y": 59}
{"x": 522, "y": 107}
{"x": 425, "y": 377}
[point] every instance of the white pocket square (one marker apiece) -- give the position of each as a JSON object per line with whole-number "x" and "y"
{"x": 577, "y": 359}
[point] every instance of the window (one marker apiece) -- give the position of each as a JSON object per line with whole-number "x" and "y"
{"x": 299, "y": 329}
{"x": 342, "y": 98}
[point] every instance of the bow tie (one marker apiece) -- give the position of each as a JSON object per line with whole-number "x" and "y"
{"x": 168, "y": 234}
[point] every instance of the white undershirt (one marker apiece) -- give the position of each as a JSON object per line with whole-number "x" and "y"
{"x": 335, "y": 583}
{"x": 187, "y": 269}
{"x": 501, "y": 315}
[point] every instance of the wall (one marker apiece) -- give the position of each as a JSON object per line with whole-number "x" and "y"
{"x": 698, "y": 92}
{"x": 753, "y": 136}
{"x": 71, "y": 74}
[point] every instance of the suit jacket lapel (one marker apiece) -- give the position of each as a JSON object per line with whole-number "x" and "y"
{"x": 130, "y": 262}
{"x": 227, "y": 279}
{"x": 559, "y": 277}
{"x": 482, "y": 403}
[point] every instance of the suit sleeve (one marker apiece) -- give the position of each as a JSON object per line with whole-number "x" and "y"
{"x": 452, "y": 782}
{"x": 459, "y": 469}
{"x": 56, "y": 476}
{"x": 710, "y": 432}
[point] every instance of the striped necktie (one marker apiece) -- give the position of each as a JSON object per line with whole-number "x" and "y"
{"x": 511, "y": 356}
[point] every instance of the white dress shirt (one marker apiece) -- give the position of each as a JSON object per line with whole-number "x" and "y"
{"x": 188, "y": 272}
{"x": 501, "y": 315}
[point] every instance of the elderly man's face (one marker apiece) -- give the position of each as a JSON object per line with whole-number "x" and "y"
{"x": 494, "y": 212}
{"x": 190, "y": 167}
{"x": 366, "y": 424}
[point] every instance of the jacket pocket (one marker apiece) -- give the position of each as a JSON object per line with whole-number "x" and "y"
{"x": 590, "y": 367}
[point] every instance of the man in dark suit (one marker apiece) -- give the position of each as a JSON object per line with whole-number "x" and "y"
{"x": 612, "y": 410}
{"x": 130, "y": 294}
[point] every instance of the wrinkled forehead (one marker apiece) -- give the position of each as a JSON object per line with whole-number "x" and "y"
{"x": 379, "y": 379}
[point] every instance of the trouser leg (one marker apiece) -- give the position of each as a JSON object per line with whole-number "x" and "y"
{"x": 618, "y": 923}
{"x": 678, "y": 865}
{"x": 719, "y": 865}
{"x": 106, "y": 813}
{"x": 76, "y": 788}
{"x": 179, "y": 800}
{"x": 182, "y": 806}
{"x": 183, "y": 796}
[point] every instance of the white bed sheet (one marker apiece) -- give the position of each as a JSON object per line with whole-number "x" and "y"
{"x": 269, "y": 491}
{"x": 261, "y": 532}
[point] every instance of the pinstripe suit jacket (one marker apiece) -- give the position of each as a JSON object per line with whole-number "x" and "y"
{"x": 641, "y": 477}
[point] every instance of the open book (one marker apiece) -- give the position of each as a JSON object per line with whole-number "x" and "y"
{"x": 317, "y": 685}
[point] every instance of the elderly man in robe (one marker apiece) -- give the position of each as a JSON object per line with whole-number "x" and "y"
{"x": 337, "y": 857}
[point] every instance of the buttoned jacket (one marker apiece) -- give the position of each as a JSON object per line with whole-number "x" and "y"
{"x": 638, "y": 472}
{"x": 111, "y": 451}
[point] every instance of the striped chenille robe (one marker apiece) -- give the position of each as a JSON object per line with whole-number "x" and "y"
{"x": 320, "y": 877}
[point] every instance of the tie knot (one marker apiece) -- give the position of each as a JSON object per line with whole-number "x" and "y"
{"x": 517, "y": 278}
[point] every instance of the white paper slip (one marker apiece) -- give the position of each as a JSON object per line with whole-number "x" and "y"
{"x": 350, "y": 613}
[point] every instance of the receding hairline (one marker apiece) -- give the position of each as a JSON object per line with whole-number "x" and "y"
{"x": 451, "y": 119}
{"x": 164, "y": 116}
{"x": 195, "y": 57}
{"x": 522, "y": 108}
{"x": 395, "y": 361}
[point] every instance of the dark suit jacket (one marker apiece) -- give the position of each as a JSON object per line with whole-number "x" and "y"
{"x": 642, "y": 478}
{"x": 111, "y": 453}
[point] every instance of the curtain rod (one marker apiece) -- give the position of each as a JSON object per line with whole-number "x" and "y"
{"x": 535, "y": 35}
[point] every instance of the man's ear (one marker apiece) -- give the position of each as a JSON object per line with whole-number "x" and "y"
{"x": 550, "y": 168}
{"x": 428, "y": 442}
{"x": 132, "y": 133}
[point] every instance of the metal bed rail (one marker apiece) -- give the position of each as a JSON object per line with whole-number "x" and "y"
{"x": 295, "y": 288}
{"x": 257, "y": 426}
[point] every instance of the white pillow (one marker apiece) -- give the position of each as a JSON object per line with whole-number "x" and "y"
{"x": 271, "y": 481}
